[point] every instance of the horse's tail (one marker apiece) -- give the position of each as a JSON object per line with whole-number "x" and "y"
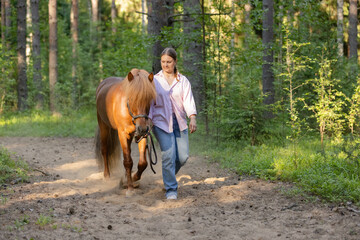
{"x": 113, "y": 150}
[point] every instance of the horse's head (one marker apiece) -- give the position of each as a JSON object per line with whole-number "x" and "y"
{"x": 140, "y": 92}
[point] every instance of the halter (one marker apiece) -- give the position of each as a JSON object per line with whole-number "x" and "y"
{"x": 147, "y": 135}
{"x": 137, "y": 116}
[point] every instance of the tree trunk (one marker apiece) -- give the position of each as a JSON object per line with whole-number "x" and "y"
{"x": 95, "y": 10}
{"x": 74, "y": 19}
{"x": 113, "y": 16}
{"x": 94, "y": 19}
{"x": 3, "y": 20}
{"x": 159, "y": 12}
{"x": 267, "y": 39}
{"x": 143, "y": 16}
{"x": 5, "y": 23}
{"x": 29, "y": 34}
{"x": 340, "y": 27}
{"x": 247, "y": 21}
{"x": 193, "y": 54}
{"x": 53, "y": 74}
{"x": 36, "y": 54}
{"x": 21, "y": 55}
{"x": 353, "y": 29}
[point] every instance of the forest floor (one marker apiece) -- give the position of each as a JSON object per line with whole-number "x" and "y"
{"x": 67, "y": 198}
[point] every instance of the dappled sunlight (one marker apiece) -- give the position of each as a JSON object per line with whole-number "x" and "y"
{"x": 77, "y": 170}
{"x": 186, "y": 180}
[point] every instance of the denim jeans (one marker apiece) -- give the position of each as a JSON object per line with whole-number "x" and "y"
{"x": 174, "y": 153}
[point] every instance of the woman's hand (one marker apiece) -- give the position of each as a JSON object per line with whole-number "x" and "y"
{"x": 192, "y": 124}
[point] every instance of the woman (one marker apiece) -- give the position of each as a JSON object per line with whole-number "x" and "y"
{"x": 174, "y": 102}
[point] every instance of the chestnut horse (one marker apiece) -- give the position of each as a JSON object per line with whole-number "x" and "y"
{"x": 122, "y": 113}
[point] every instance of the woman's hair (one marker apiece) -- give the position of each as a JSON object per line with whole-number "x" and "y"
{"x": 172, "y": 53}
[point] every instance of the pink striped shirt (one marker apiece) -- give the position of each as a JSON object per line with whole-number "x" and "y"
{"x": 177, "y": 98}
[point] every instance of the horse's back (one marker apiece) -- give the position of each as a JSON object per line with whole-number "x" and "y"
{"x": 106, "y": 84}
{"x": 101, "y": 97}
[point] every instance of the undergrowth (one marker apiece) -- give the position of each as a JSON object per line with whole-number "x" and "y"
{"x": 332, "y": 173}
{"x": 11, "y": 169}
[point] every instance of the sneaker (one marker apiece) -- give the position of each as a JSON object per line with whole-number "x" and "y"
{"x": 171, "y": 196}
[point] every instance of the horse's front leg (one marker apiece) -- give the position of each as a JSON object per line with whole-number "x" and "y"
{"x": 142, "y": 160}
{"x": 128, "y": 163}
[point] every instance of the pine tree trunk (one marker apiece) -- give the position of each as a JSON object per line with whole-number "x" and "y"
{"x": 353, "y": 29}
{"x": 193, "y": 54}
{"x": 159, "y": 12}
{"x": 29, "y": 33}
{"x": 5, "y": 23}
{"x": 267, "y": 39}
{"x": 3, "y": 20}
{"x": 143, "y": 16}
{"x": 94, "y": 19}
{"x": 340, "y": 27}
{"x": 36, "y": 54}
{"x": 74, "y": 19}
{"x": 21, "y": 55}
{"x": 53, "y": 74}
{"x": 113, "y": 16}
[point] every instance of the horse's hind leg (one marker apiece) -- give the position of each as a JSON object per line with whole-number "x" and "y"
{"x": 142, "y": 160}
{"x": 104, "y": 135}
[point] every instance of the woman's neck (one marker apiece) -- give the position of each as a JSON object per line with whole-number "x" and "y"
{"x": 169, "y": 77}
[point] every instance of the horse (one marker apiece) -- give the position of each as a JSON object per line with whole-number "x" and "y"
{"x": 123, "y": 106}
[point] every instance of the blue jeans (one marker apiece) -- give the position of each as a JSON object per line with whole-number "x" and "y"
{"x": 174, "y": 153}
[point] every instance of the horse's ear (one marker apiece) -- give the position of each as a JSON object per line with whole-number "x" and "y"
{"x": 151, "y": 77}
{"x": 130, "y": 77}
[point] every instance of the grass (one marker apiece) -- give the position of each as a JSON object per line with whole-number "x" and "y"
{"x": 44, "y": 220}
{"x": 11, "y": 169}
{"x": 44, "y": 124}
{"x": 332, "y": 174}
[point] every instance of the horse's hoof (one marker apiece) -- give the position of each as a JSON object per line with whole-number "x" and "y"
{"x": 125, "y": 185}
{"x": 129, "y": 193}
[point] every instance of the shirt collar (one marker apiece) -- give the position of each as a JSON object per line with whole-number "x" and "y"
{"x": 161, "y": 74}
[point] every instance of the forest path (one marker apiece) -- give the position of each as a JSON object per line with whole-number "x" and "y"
{"x": 69, "y": 194}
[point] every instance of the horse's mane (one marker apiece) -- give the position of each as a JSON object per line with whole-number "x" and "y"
{"x": 140, "y": 91}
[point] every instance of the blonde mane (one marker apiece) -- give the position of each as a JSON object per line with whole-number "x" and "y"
{"x": 140, "y": 91}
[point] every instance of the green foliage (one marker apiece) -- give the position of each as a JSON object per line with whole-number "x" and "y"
{"x": 328, "y": 109}
{"x": 11, "y": 169}
{"x": 8, "y": 97}
{"x": 42, "y": 124}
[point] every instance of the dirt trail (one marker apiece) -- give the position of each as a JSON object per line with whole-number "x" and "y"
{"x": 69, "y": 194}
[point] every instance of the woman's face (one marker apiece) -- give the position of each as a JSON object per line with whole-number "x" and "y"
{"x": 168, "y": 64}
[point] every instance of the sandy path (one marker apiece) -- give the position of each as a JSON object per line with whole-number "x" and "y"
{"x": 213, "y": 203}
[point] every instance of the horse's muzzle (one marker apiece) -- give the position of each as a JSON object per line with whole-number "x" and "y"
{"x": 141, "y": 132}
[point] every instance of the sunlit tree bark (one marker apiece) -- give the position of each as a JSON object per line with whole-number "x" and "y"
{"x": 340, "y": 27}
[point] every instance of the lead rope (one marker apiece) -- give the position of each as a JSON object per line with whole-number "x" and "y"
{"x": 150, "y": 149}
